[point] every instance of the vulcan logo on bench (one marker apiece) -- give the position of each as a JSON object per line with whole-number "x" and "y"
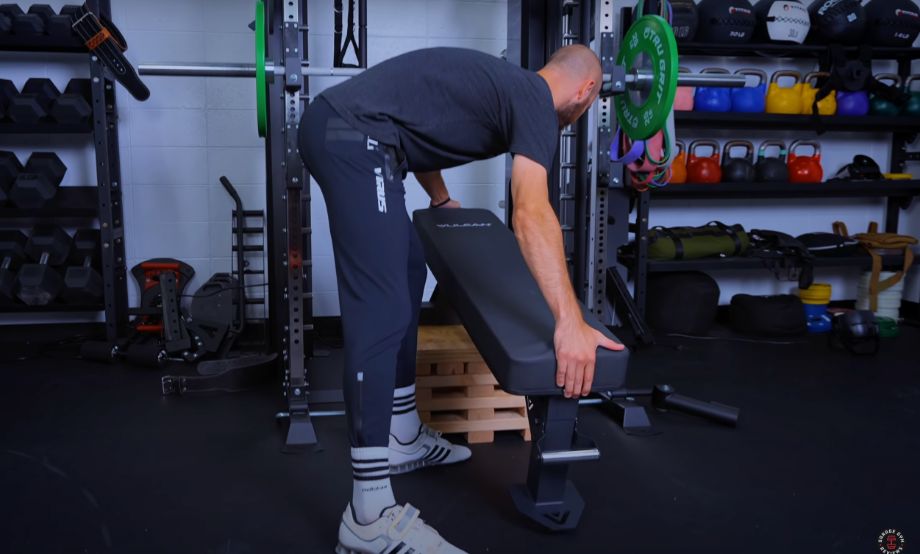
{"x": 462, "y": 225}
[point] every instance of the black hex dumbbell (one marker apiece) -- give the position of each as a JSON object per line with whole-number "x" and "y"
{"x": 7, "y": 91}
{"x": 38, "y": 182}
{"x": 12, "y": 254}
{"x": 33, "y": 23}
{"x": 37, "y": 284}
{"x": 82, "y": 283}
{"x": 10, "y": 166}
{"x": 33, "y": 102}
{"x": 61, "y": 25}
{"x": 73, "y": 106}
{"x": 8, "y": 13}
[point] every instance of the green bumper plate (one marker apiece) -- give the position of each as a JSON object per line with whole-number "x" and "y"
{"x": 261, "y": 93}
{"x": 649, "y": 45}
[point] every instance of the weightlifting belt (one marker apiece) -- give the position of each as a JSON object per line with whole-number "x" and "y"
{"x": 106, "y": 42}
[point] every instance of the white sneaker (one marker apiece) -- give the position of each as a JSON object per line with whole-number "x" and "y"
{"x": 398, "y": 531}
{"x": 428, "y": 449}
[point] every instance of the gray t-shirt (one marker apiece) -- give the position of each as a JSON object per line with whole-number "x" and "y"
{"x": 445, "y": 107}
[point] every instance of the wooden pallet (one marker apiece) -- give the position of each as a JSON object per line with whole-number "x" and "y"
{"x": 455, "y": 391}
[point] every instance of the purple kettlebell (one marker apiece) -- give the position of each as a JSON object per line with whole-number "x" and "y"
{"x": 852, "y": 103}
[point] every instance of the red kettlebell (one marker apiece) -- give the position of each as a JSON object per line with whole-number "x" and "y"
{"x": 805, "y": 169}
{"x": 703, "y": 169}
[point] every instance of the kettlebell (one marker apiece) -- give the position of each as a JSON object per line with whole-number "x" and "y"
{"x": 703, "y": 169}
{"x": 881, "y": 106}
{"x": 683, "y": 99}
{"x": 750, "y": 99}
{"x": 679, "y": 164}
{"x": 712, "y": 99}
{"x": 827, "y": 105}
{"x": 785, "y": 100}
{"x": 805, "y": 169}
{"x": 738, "y": 170}
{"x": 852, "y": 102}
{"x": 771, "y": 170}
{"x": 912, "y": 106}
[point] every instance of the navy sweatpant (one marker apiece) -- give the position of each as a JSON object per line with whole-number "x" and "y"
{"x": 379, "y": 262}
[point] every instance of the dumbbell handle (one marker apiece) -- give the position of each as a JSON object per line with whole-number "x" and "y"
{"x": 7, "y": 261}
{"x": 44, "y": 259}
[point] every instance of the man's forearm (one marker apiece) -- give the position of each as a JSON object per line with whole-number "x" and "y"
{"x": 540, "y": 237}
{"x": 434, "y": 185}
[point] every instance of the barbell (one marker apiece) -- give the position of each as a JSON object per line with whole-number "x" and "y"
{"x": 643, "y": 83}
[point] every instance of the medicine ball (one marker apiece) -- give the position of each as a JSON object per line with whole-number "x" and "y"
{"x": 892, "y": 22}
{"x": 684, "y": 20}
{"x": 837, "y": 21}
{"x": 782, "y": 21}
{"x": 725, "y": 21}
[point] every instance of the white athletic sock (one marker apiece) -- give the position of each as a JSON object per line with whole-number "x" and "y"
{"x": 405, "y": 423}
{"x": 371, "y": 493}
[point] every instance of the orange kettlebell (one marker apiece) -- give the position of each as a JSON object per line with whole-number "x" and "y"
{"x": 805, "y": 169}
{"x": 679, "y": 165}
{"x": 703, "y": 169}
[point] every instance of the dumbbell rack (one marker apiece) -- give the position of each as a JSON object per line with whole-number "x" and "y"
{"x": 80, "y": 205}
{"x": 898, "y": 194}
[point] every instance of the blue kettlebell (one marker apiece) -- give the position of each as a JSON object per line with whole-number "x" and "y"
{"x": 852, "y": 102}
{"x": 750, "y": 99}
{"x": 712, "y": 99}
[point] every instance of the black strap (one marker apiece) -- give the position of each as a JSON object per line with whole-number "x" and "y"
{"x": 732, "y": 231}
{"x": 678, "y": 244}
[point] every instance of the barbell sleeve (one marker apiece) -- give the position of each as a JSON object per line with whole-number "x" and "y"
{"x": 643, "y": 79}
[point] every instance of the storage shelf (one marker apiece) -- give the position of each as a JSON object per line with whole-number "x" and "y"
{"x": 70, "y": 308}
{"x": 42, "y": 43}
{"x": 45, "y": 127}
{"x": 763, "y": 121}
{"x": 830, "y": 189}
{"x": 743, "y": 263}
{"x": 775, "y": 50}
{"x": 69, "y": 202}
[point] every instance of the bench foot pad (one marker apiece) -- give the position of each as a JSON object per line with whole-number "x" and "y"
{"x": 559, "y": 515}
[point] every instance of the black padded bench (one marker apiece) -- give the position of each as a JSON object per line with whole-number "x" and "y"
{"x": 480, "y": 268}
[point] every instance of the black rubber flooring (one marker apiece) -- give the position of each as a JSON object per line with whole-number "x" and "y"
{"x": 827, "y": 455}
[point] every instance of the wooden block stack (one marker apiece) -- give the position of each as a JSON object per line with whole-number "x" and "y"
{"x": 456, "y": 392}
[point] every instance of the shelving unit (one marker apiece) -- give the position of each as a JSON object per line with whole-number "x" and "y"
{"x": 905, "y": 189}
{"x": 765, "y": 121}
{"x": 898, "y": 194}
{"x": 82, "y": 204}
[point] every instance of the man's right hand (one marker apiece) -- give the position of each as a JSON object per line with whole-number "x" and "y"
{"x": 576, "y": 345}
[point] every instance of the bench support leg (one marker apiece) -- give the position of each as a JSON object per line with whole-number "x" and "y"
{"x": 548, "y": 497}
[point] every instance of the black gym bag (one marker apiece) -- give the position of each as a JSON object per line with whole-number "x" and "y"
{"x": 682, "y": 302}
{"x": 771, "y": 316}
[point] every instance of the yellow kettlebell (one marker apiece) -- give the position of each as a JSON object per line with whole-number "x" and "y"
{"x": 827, "y": 105}
{"x": 787, "y": 100}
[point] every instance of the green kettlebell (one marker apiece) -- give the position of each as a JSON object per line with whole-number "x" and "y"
{"x": 881, "y": 106}
{"x": 912, "y": 107}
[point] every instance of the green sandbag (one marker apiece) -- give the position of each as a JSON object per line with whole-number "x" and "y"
{"x": 689, "y": 243}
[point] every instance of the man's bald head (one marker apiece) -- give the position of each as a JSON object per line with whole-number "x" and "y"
{"x": 576, "y": 61}
{"x": 574, "y": 76}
